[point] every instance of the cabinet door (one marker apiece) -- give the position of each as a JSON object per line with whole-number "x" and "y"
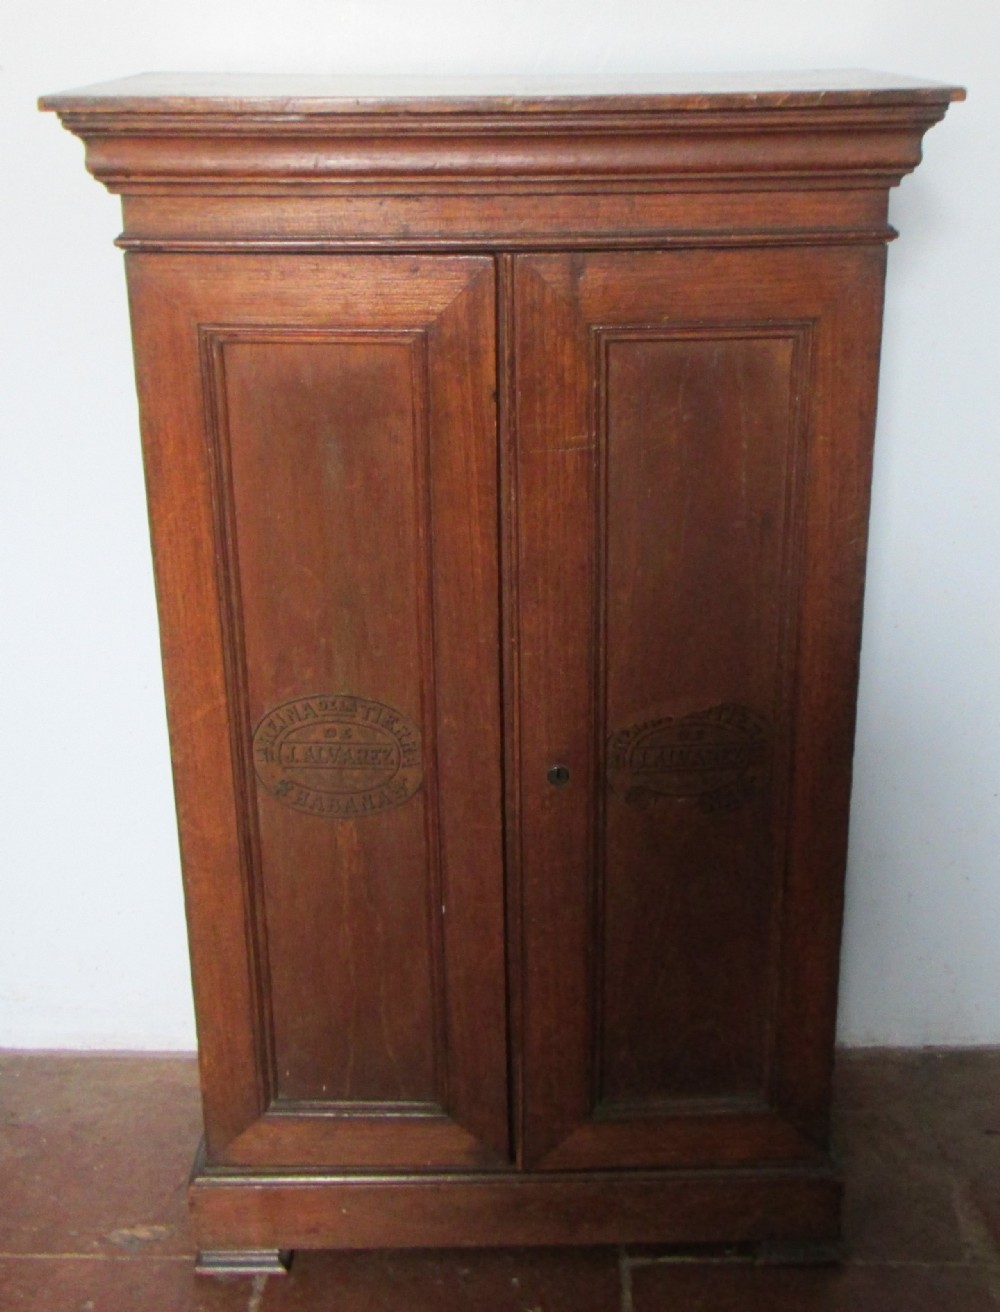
{"x": 692, "y": 470}
{"x": 320, "y": 446}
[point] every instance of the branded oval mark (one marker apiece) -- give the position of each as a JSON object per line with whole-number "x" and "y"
{"x": 717, "y": 758}
{"x": 338, "y": 755}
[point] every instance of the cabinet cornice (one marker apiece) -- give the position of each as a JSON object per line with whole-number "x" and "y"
{"x": 211, "y": 138}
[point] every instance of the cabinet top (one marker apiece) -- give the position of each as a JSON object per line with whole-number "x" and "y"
{"x": 307, "y": 139}
{"x": 303, "y": 94}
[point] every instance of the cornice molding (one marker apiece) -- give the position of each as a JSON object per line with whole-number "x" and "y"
{"x": 682, "y": 142}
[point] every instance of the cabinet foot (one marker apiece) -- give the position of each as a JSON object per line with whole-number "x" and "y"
{"x": 243, "y": 1262}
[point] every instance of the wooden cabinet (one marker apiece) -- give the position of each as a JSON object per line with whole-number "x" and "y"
{"x": 508, "y": 457}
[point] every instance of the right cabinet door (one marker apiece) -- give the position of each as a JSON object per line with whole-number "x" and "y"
{"x": 693, "y": 440}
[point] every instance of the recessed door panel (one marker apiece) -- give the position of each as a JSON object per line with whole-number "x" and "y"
{"x": 697, "y": 441}
{"x": 327, "y": 457}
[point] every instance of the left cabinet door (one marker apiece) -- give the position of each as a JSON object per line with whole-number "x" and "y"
{"x": 320, "y": 446}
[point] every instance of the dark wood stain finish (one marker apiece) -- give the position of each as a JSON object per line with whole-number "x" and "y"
{"x": 489, "y": 431}
{"x": 686, "y": 421}
{"x": 345, "y": 472}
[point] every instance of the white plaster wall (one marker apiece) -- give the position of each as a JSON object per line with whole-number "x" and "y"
{"x": 92, "y": 949}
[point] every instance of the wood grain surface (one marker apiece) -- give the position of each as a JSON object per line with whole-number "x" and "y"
{"x": 508, "y": 450}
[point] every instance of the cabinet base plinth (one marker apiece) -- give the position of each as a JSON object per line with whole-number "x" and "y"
{"x": 243, "y": 1261}
{"x": 240, "y": 1210}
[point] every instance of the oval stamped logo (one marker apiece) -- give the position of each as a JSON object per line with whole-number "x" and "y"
{"x": 717, "y": 758}
{"x": 338, "y": 755}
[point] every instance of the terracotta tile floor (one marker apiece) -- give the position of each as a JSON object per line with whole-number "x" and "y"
{"x": 95, "y": 1152}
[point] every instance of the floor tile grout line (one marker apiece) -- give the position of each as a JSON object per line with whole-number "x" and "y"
{"x": 951, "y": 1264}
{"x": 677, "y": 1259}
{"x": 625, "y": 1280}
{"x": 977, "y": 1240}
{"x": 257, "y": 1293}
{"x": 948, "y": 1264}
